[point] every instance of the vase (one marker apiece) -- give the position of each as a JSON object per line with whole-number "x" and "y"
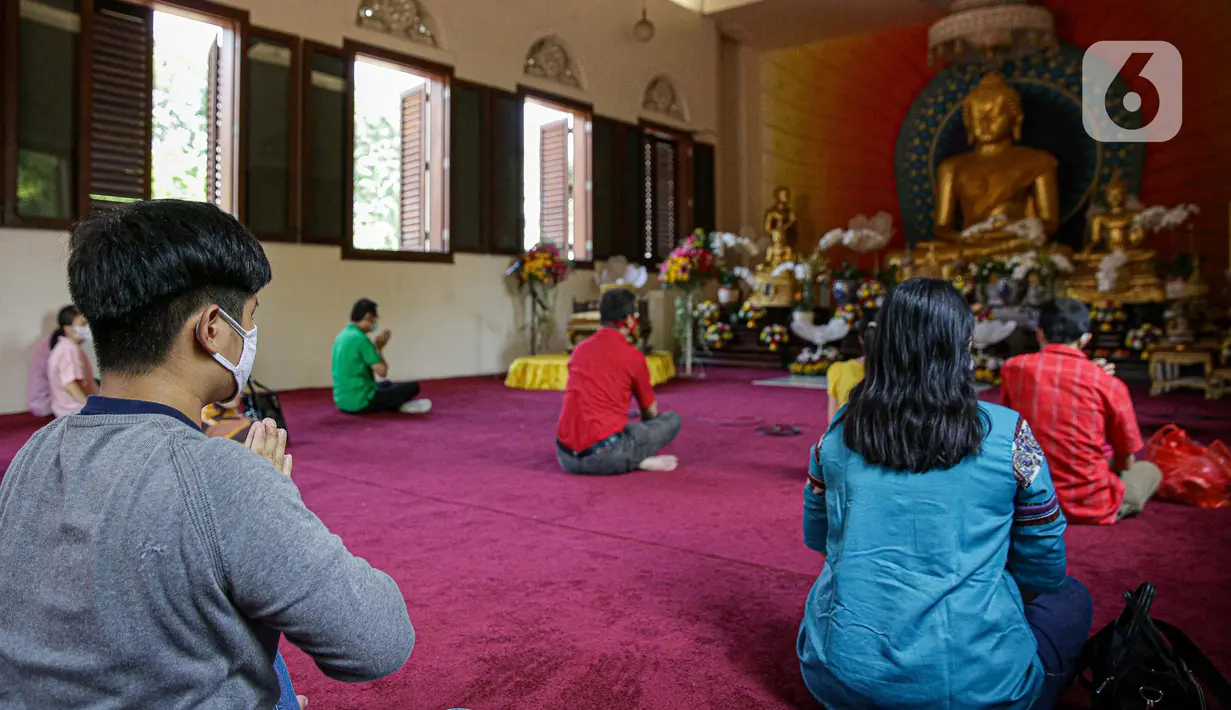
{"x": 727, "y": 295}
{"x": 690, "y": 331}
{"x": 841, "y": 291}
{"x": 805, "y": 317}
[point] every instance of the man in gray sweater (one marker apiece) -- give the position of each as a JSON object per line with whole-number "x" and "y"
{"x": 142, "y": 564}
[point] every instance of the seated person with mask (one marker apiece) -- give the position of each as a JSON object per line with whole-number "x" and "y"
{"x": 594, "y": 436}
{"x": 145, "y": 564}
{"x": 357, "y": 362}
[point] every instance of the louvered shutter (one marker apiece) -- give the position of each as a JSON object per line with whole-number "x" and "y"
{"x": 554, "y": 183}
{"x": 414, "y": 145}
{"x": 121, "y": 124}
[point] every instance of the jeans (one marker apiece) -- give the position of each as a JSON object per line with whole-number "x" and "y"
{"x": 286, "y": 701}
{"x": 1061, "y": 622}
{"x": 638, "y": 442}
{"x": 389, "y": 396}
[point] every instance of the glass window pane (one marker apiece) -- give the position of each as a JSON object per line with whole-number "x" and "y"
{"x": 267, "y": 183}
{"x": 325, "y": 139}
{"x": 47, "y": 109}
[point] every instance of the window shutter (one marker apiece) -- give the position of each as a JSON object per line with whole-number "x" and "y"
{"x": 661, "y": 197}
{"x": 414, "y": 113}
{"x": 554, "y": 184}
{"x": 508, "y": 232}
{"x": 603, "y": 173}
{"x": 214, "y": 128}
{"x": 120, "y": 103}
{"x": 326, "y": 144}
{"x": 469, "y": 175}
{"x": 703, "y": 187}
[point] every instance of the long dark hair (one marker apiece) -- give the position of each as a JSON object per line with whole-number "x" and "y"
{"x": 67, "y": 315}
{"x": 916, "y": 409}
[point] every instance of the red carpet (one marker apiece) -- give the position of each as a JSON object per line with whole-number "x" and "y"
{"x": 530, "y": 588}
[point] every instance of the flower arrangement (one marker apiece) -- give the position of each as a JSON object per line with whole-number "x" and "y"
{"x": 1143, "y": 339}
{"x": 750, "y": 314}
{"x": 1107, "y": 315}
{"x": 775, "y": 336}
{"x": 987, "y": 369}
{"x": 982, "y": 313}
{"x": 706, "y": 313}
{"x": 962, "y": 284}
{"x": 717, "y": 335}
{"x": 850, "y": 312}
{"x": 815, "y": 361}
{"x": 1043, "y": 263}
{"x": 871, "y": 293}
{"x": 690, "y": 264}
{"x": 989, "y": 270}
{"x": 542, "y": 264}
{"x": 1159, "y": 219}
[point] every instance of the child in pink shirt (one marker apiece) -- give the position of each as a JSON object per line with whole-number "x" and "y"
{"x": 68, "y": 369}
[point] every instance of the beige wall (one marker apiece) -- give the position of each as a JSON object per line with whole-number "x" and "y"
{"x": 448, "y": 320}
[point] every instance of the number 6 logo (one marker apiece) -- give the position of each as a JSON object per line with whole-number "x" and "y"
{"x": 1152, "y": 107}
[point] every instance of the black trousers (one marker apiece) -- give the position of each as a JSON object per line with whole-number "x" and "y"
{"x": 390, "y": 396}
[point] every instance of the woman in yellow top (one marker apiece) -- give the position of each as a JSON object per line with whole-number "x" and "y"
{"x": 843, "y": 376}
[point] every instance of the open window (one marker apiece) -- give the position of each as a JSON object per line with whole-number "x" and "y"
{"x": 399, "y": 182}
{"x": 109, "y": 102}
{"x": 557, "y": 185}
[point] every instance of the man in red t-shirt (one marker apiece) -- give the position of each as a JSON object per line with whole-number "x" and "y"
{"x": 1075, "y": 406}
{"x": 594, "y": 436}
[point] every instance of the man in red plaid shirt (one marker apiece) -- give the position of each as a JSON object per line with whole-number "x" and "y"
{"x": 1076, "y": 407}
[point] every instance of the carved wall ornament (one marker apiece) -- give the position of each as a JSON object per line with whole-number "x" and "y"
{"x": 404, "y": 18}
{"x": 661, "y": 97}
{"x": 548, "y": 59}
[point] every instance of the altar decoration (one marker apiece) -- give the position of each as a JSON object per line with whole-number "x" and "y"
{"x": 962, "y": 284}
{"x": 1107, "y": 316}
{"x": 871, "y": 294}
{"x": 689, "y": 266}
{"x": 750, "y": 314}
{"x": 987, "y": 369}
{"x": 849, "y": 313}
{"x": 538, "y": 272}
{"x": 815, "y": 361}
{"x": 981, "y": 313}
{"x": 1143, "y": 339}
{"x": 717, "y": 335}
{"x": 862, "y": 234}
{"x": 991, "y": 30}
{"x": 549, "y": 372}
{"x": 706, "y": 313}
{"x": 988, "y": 331}
{"x": 821, "y": 335}
{"x": 844, "y": 279}
{"x": 775, "y": 336}
{"x": 774, "y": 277}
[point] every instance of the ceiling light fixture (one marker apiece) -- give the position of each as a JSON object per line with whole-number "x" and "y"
{"x": 643, "y": 30}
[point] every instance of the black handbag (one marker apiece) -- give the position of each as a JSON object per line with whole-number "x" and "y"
{"x": 1139, "y": 663}
{"x": 260, "y": 402}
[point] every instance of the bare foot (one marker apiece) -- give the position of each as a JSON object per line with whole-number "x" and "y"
{"x": 659, "y": 463}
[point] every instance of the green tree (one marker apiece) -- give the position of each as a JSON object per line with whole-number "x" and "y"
{"x": 378, "y": 164}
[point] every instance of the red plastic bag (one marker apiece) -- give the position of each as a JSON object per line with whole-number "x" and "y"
{"x": 1192, "y": 473}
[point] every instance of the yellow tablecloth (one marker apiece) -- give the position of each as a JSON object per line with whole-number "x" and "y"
{"x": 550, "y": 372}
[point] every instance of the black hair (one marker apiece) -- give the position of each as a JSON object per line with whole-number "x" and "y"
{"x": 362, "y": 309}
{"x": 139, "y": 271}
{"x": 66, "y": 316}
{"x": 864, "y": 328}
{"x": 616, "y": 305}
{"x": 916, "y": 409}
{"x": 1064, "y": 320}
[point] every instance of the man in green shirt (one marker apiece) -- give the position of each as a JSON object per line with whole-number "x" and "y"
{"x": 358, "y": 361}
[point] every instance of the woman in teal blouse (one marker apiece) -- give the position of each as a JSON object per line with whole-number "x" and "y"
{"x": 944, "y": 583}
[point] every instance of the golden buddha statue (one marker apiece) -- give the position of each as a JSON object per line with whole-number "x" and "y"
{"x": 997, "y": 182}
{"x": 779, "y": 225}
{"x": 777, "y": 291}
{"x": 1116, "y": 230}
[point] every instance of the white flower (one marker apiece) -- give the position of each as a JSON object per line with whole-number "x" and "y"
{"x": 801, "y": 272}
{"x": 1031, "y": 229}
{"x": 1062, "y": 263}
{"x": 783, "y": 268}
{"x": 722, "y": 242}
{"x": 1109, "y": 271}
{"x": 832, "y": 238}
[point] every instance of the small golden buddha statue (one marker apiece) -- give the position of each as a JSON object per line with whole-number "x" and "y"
{"x": 780, "y": 226}
{"x": 777, "y": 291}
{"x": 998, "y": 180}
{"x": 1116, "y": 230}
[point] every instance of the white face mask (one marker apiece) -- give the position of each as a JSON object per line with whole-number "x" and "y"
{"x": 82, "y": 332}
{"x": 247, "y": 356}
